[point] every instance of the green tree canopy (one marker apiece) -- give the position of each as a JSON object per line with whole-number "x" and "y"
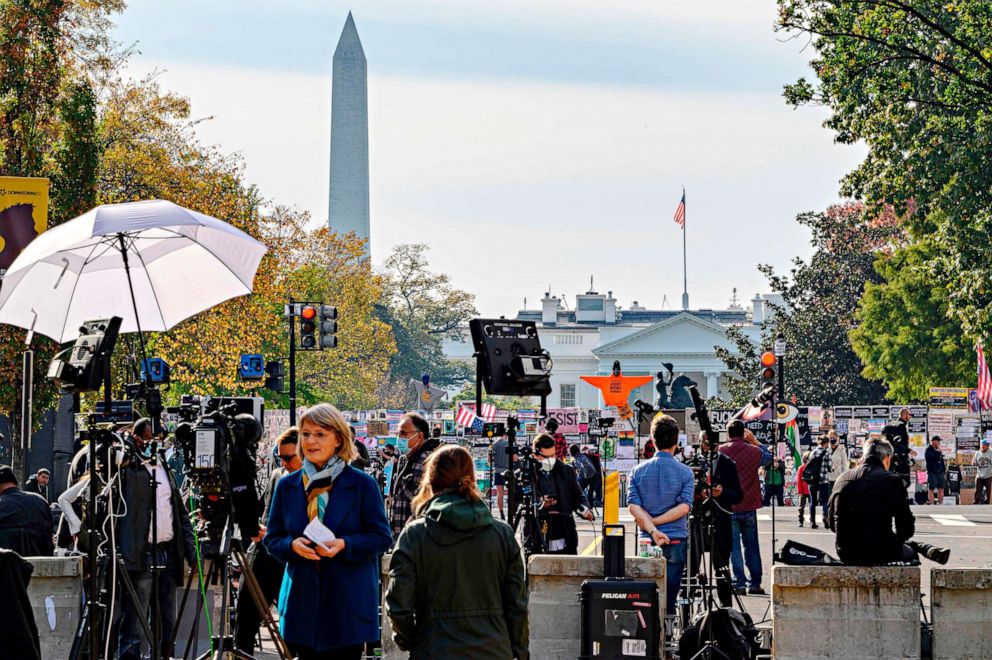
{"x": 903, "y": 336}
{"x": 423, "y": 309}
{"x": 820, "y": 300}
{"x": 912, "y": 80}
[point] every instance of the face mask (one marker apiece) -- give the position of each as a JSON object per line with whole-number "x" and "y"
{"x": 548, "y": 464}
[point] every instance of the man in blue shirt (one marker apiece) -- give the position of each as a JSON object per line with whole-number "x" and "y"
{"x": 660, "y": 497}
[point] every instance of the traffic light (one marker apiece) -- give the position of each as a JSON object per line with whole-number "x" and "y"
{"x": 768, "y": 366}
{"x": 275, "y": 380}
{"x": 328, "y": 326}
{"x": 308, "y": 327}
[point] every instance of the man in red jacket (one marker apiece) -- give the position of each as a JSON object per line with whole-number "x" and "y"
{"x": 749, "y": 455}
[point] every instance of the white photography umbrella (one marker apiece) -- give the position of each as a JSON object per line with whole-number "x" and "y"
{"x": 152, "y": 263}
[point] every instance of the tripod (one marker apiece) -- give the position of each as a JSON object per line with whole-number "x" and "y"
{"x": 94, "y": 620}
{"x": 708, "y": 509}
{"x": 222, "y": 644}
{"x": 526, "y": 508}
{"x": 697, "y": 604}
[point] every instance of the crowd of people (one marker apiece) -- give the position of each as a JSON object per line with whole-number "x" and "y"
{"x": 325, "y": 522}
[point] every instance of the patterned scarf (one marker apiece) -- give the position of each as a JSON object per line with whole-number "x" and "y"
{"x": 317, "y": 483}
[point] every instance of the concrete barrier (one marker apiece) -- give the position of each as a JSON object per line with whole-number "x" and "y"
{"x": 554, "y": 582}
{"x": 56, "y": 592}
{"x": 961, "y": 612}
{"x": 823, "y": 612}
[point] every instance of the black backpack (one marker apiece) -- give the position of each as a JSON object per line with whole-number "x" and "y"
{"x": 794, "y": 553}
{"x": 811, "y": 474}
{"x": 733, "y": 633}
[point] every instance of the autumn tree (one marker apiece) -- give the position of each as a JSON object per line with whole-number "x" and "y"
{"x": 51, "y": 52}
{"x": 151, "y": 151}
{"x": 331, "y": 268}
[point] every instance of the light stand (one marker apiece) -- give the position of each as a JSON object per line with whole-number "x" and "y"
{"x": 710, "y": 649}
{"x": 780, "y": 347}
{"x": 94, "y": 617}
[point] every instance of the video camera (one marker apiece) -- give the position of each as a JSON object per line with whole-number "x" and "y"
{"x": 219, "y": 447}
{"x": 112, "y": 450}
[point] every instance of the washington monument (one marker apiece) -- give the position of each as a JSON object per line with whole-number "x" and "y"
{"x": 348, "y": 208}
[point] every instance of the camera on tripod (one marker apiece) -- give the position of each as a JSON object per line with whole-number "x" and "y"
{"x": 219, "y": 447}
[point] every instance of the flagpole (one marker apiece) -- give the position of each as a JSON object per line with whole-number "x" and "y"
{"x": 685, "y": 269}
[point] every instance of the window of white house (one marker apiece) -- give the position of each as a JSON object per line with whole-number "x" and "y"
{"x": 567, "y": 395}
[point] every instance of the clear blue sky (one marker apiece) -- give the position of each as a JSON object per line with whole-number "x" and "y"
{"x": 527, "y": 145}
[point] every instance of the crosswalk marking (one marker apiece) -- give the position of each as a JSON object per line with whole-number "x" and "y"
{"x": 764, "y": 516}
{"x": 952, "y": 520}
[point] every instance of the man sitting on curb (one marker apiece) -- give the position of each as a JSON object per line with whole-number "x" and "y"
{"x": 864, "y": 505}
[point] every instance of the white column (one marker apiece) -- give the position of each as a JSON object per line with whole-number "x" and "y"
{"x": 712, "y": 383}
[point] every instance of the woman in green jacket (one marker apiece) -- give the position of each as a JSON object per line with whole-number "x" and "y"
{"x": 457, "y": 586}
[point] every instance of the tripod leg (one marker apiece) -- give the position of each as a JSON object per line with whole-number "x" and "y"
{"x": 194, "y": 631}
{"x": 126, "y": 580}
{"x": 264, "y": 612}
{"x": 182, "y": 609}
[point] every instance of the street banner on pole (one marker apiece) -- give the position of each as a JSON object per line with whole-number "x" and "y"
{"x": 23, "y": 214}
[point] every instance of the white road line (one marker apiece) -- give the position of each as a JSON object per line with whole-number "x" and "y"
{"x": 764, "y": 516}
{"x": 952, "y": 520}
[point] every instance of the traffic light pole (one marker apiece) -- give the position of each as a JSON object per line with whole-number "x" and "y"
{"x": 292, "y": 363}
{"x": 780, "y": 428}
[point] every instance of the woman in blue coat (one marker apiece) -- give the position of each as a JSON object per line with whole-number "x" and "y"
{"x": 328, "y": 605}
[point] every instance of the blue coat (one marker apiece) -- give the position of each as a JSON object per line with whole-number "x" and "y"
{"x": 333, "y": 602}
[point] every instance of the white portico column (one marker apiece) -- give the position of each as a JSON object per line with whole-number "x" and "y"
{"x": 712, "y": 383}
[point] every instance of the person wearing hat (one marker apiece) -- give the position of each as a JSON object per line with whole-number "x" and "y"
{"x": 983, "y": 479}
{"x": 25, "y": 519}
{"x": 38, "y": 483}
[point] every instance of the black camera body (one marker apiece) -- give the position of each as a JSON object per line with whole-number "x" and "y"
{"x": 699, "y": 463}
{"x": 112, "y": 450}
{"x": 219, "y": 447}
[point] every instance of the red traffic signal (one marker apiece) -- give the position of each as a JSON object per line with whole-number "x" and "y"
{"x": 308, "y": 327}
{"x": 768, "y": 362}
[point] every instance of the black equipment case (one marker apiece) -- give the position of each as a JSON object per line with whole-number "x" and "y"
{"x": 620, "y": 619}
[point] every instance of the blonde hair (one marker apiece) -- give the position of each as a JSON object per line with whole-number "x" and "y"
{"x": 330, "y": 418}
{"x": 449, "y": 469}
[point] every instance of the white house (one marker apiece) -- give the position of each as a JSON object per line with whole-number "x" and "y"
{"x": 586, "y": 340}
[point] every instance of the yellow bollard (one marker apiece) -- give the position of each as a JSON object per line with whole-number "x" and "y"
{"x": 611, "y": 499}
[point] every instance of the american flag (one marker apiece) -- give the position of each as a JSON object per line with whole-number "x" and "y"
{"x": 488, "y": 412}
{"x": 680, "y": 212}
{"x": 466, "y": 416}
{"x": 477, "y": 425}
{"x": 984, "y": 380}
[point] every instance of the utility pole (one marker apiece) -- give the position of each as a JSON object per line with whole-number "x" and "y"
{"x": 292, "y": 362}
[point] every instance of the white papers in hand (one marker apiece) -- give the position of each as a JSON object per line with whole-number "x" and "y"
{"x": 318, "y": 532}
